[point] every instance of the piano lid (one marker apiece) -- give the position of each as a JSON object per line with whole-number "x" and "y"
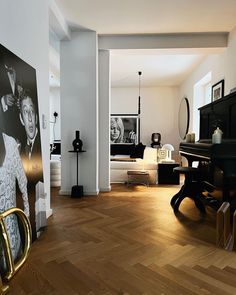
{"x": 224, "y": 150}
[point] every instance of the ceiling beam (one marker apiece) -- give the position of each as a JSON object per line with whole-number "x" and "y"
{"x": 163, "y": 41}
{"x": 57, "y": 22}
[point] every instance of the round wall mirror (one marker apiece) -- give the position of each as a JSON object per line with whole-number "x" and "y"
{"x": 183, "y": 117}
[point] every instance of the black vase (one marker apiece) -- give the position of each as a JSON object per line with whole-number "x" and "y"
{"x": 77, "y": 142}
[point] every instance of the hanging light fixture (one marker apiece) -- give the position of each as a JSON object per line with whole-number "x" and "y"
{"x": 139, "y": 97}
{"x": 139, "y": 104}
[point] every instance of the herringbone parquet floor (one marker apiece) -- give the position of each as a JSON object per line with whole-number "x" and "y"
{"x": 127, "y": 241}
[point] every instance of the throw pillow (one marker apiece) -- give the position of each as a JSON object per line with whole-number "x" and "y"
{"x": 138, "y": 151}
{"x": 122, "y": 149}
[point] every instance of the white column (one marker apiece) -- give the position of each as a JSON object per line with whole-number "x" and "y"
{"x": 104, "y": 120}
{"x": 79, "y": 110}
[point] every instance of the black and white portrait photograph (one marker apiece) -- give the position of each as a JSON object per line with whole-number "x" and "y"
{"x": 124, "y": 129}
{"x": 218, "y": 90}
{"x": 21, "y": 167}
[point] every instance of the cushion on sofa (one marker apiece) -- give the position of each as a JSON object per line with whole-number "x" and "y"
{"x": 122, "y": 149}
{"x": 150, "y": 154}
{"x": 138, "y": 151}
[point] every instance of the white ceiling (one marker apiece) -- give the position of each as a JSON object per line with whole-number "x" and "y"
{"x": 159, "y": 67}
{"x": 150, "y": 16}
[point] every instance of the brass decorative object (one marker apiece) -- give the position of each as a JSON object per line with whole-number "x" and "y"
{"x": 13, "y": 267}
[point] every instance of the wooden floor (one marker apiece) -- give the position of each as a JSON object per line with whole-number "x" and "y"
{"x": 127, "y": 241}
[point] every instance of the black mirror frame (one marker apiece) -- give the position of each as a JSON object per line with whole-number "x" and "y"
{"x": 188, "y": 117}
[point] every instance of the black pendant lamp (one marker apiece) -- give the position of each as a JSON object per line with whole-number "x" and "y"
{"x": 139, "y": 105}
{"x": 139, "y": 97}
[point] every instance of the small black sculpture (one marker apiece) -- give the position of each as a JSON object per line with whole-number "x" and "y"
{"x": 156, "y": 140}
{"x": 77, "y": 142}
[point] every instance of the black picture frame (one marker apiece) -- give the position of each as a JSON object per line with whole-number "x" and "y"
{"x": 217, "y": 90}
{"x": 130, "y": 124}
{"x": 183, "y": 117}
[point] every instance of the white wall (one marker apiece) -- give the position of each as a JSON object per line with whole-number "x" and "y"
{"x": 222, "y": 66}
{"x": 24, "y": 31}
{"x": 54, "y": 60}
{"x": 54, "y": 98}
{"x": 159, "y": 111}
{"x": 79, "y": 107}
{"x": 229, "y": 62}
{"x": 200, "y": 98}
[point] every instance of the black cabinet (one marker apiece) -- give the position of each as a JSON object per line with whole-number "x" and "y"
{"x": 166, "y": 174}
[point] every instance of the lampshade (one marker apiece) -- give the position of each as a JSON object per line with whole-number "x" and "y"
{"x": 168, "y": 147}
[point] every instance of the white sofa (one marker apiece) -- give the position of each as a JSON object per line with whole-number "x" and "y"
{"x": 119, "y": 168}
{"x": 55, "y": 171}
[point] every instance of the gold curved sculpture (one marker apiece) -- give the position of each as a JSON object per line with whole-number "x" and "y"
{"x": 13, "y": 267}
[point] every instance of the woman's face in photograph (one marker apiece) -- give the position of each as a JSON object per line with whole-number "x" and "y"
{"x": 115, "y": 130}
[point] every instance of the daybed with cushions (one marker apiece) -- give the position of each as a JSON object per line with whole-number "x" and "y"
{"x": 55, "y": 164}
{"x": 130, "y": 157}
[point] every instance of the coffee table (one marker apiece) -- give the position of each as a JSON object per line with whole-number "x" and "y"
{"x": 138, "y": 177}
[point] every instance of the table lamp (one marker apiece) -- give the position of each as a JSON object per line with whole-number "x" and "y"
{"x": 169, "y": 148}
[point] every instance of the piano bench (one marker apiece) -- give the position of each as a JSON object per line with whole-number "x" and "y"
{"x": 192, "y": 188}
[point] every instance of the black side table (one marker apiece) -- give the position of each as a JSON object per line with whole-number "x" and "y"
{"x": 77, "y": 190}
{"x": 166, "y": 174}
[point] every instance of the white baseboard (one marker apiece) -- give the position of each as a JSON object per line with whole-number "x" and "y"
{"x": 105, "y": 189}
{"x": 67, "y": 193}
{"x": 64, "y": 193}
{"x": 48, "y": 213}
{"x": 94, "y": 193}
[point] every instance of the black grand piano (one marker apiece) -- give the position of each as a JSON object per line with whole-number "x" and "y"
{"x": 220, "y": 113}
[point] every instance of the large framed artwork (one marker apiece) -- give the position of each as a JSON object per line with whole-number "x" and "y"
{"x": 124, "y": 129}
{"x": 21, "y": 170}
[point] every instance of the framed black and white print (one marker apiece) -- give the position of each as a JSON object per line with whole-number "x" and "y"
{"x": 124, "y": 129}
{"x": 217, "y": 90}
{"x": 20, "y": 143}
